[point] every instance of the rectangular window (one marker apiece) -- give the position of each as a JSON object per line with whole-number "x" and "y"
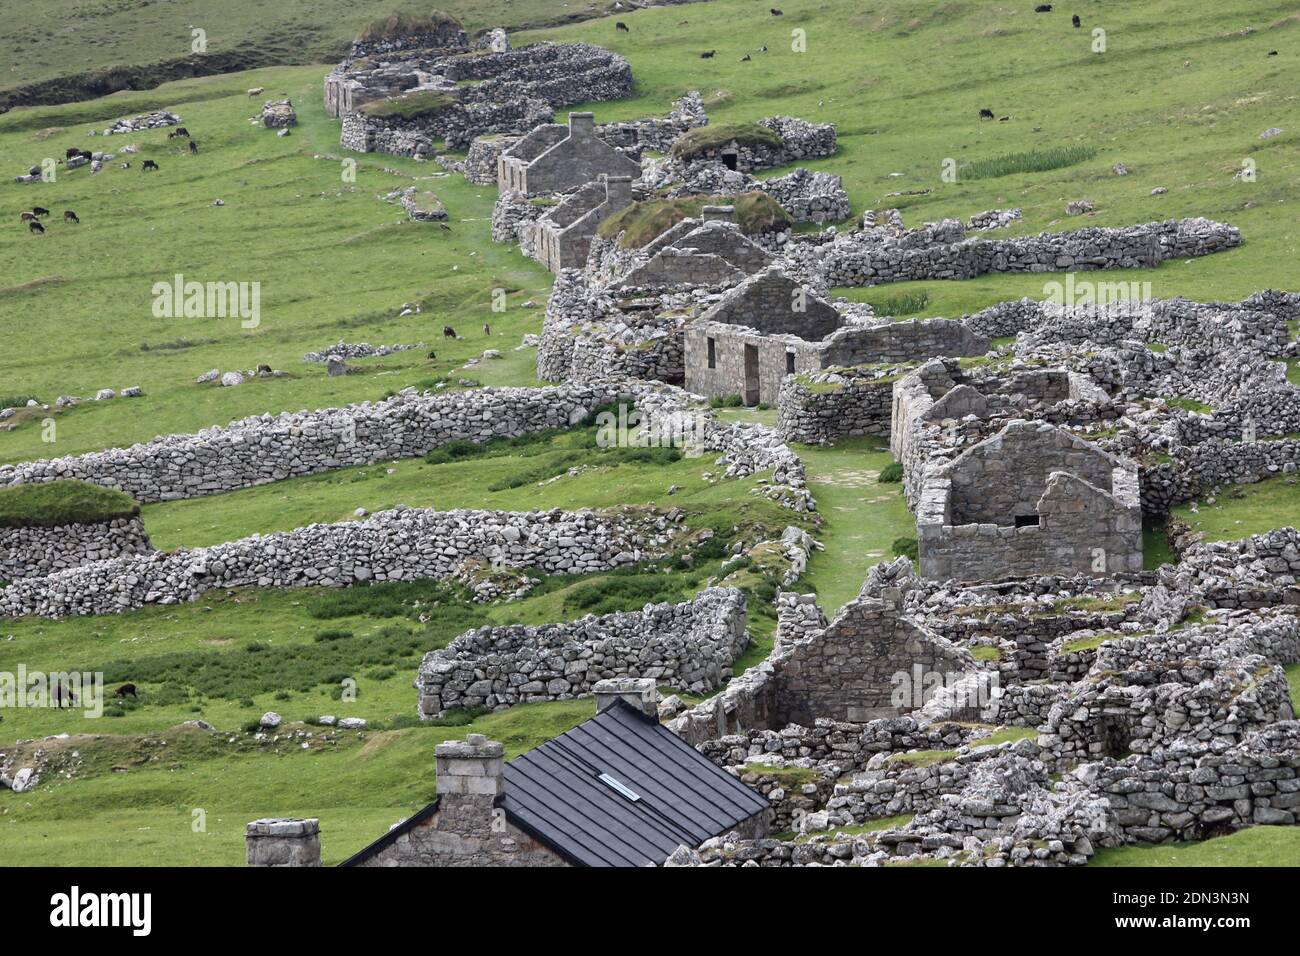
{"x": 789, "y": 363}
{"x": 713, "y": 354}
{"x": 1026, "y": 521}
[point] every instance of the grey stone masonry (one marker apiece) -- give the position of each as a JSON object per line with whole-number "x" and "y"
{"x": 267, "y": 448}
{"x": 1032, "y": 499}
{"x": 690, "y": 646}
{"x": 403, "y": 544}
{"x": 769, "y": 327}
{"x": 818, "y": 408}
{"x": 563, "y": 234}
{"x": 553, "y": 159}
{"x": 283, "y": 842}
{"x": 466, "y": 829}
{"x": 36, "y": 552}
{"x": 941, "y": 251}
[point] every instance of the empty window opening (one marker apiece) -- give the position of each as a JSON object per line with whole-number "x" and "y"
{"x": 713, "y": 354}
{"x": 1027, "y": 521}
{"x": 789, "y": 363}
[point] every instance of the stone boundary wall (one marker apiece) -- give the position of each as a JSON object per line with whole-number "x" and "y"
{"x": 690, "y": 646}
{"x": 1256, "y": 782}
{"x": 859, "y": 259}
{"x": 818, "y": 408}
{"x": 37, "y": 552}
{"x": 402, "y": 544}
{"x": 268, "y": 448}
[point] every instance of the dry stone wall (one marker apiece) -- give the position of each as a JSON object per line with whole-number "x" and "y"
{"x": 402, "y": 544}
{"x": 36, "y": 552}
{"x": 268, "y": 448}
{"x": 690, "y": 646}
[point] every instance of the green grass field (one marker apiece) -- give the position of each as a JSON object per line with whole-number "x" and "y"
{"x": 1180, "y": 97}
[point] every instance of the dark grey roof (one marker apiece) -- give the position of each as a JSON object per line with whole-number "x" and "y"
{"x": 656, "y": 792}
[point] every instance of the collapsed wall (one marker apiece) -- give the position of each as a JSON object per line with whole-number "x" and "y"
{"x": 689, "y": 646}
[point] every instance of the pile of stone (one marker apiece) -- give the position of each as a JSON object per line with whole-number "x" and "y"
{"x": 279, "y": 114}
{"x": 352, "y": 350}
{"x": 135, "y": 124}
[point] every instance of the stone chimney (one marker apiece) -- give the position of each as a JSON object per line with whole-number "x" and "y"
{"x": 471, "y": 775}
{"x": 582, "y": 125}
{"x": 718, "y": 213}
{"x": 640, "y": 692}
{"x": 618, "y": 193}
{"x": 275, "y": 841}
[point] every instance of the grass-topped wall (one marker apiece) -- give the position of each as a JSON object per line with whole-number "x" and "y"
{"x": 54, "y": 503}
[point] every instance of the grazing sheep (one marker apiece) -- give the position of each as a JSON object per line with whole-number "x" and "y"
{"x": 448, "y": 332}
{"x": 125, "y": 690}
{"x": 194, "y": 148}
{"x": 40, "y": 212}
{"x": 28, "y": 217}
{"x": 487, "y": 329}
{"x": 178, "y": 132}
{"x": 776, "y": 12}
{"x": 1043, "y": 8}
{"x": 257, "y": 91}
{"x": 708, "y": 54}
{"x": 986, "y": 114}
{"x": 148, "y": 165}
{"x": 746, "y": 58}
{"x": 1076, "y": 21}
{"x": 621, "y": 27}
{"x": 35, "y": 227}
{"x": 70, "y": 216}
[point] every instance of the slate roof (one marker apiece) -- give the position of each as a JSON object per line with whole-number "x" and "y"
{"x": 617, "y": 790}
{"x": 621, "y": 790}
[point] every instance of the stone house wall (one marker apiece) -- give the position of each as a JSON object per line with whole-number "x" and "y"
{"x": 1033, "y": 499}
{"x": 577, "y": 159}
{"x": 267, "y": 448}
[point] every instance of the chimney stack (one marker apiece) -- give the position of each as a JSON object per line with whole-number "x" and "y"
{"x": 582, "y": 125}
{"x": 640, "y": 692}
{"x": 471, "y": 775}
{"x": 275, "y": 841}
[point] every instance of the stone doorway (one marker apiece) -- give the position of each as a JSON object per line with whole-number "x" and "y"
{"x": 729, "y": 159}
{"x": 751, "y": 375}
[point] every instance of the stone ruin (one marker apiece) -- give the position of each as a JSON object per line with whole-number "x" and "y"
{"x": 1032, "y": 499}
{"x": 451, "y": 95}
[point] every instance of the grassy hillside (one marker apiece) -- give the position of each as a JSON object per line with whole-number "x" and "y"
{"x": 62, "y": 50}
{"x": 1180, "y": 97}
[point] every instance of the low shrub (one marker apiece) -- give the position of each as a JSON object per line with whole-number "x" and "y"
{"x": 891, "y": 474}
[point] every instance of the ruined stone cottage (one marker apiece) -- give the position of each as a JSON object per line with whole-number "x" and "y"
{"x": 563, "y": 234}
{"x": 770, "y": 326}
{"x": 1032, "y": 499}
{"x": 554, "y": 158}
